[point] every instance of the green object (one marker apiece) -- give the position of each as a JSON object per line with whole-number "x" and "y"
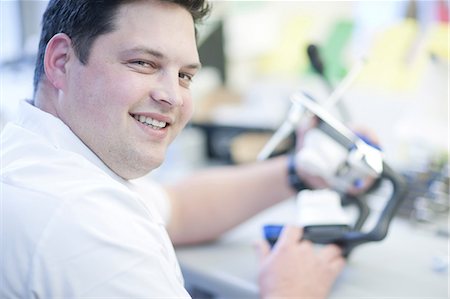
{"x": 333, "y": 50}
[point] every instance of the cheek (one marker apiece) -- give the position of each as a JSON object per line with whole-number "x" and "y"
{"x": 109, "y": 85}
{"x": 187, "y": 109}
{"x": 112, "y": 96}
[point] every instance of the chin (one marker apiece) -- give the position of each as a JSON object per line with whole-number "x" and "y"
{"x": 145, "y": 168}
{"x": 138, "y": 165}
{"x": 141, "y": 170}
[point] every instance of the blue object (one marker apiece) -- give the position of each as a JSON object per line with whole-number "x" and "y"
{"x": 272, "y": 232}
{"x": 368, "y": 141}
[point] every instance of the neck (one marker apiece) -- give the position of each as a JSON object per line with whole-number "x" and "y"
{"x": 45, "y": 97}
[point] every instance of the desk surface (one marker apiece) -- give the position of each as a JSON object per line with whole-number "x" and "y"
{"x": 403, "y": 265}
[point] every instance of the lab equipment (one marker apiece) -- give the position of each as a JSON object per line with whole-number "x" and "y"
{"x": 360, "y": 160}
{"x": 296, "y": 112}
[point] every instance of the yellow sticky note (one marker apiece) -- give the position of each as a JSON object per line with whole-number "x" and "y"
{"x": 290, "y": 55}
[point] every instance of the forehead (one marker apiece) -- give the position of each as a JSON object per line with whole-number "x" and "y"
{"x": 164, "y": 26}
{"x": 156, "y": 9}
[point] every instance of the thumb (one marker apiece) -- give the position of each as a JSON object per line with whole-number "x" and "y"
{"x": 262, "y": 249}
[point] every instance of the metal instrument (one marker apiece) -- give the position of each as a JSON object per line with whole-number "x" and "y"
{"x": 361, "y": 159}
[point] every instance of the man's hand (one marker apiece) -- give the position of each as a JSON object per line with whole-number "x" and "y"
{"x": 294, "y": 269}
{"x": 318, "y": 159}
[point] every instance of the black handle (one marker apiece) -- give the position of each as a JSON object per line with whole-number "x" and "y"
{"x": 344, "y": 236}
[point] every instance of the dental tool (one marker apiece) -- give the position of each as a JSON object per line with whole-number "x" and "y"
{"x": 294, "y": 116}
{"x": 361, "y": 160}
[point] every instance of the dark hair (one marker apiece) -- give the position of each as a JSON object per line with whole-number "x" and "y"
{"x": 84, "y": 20}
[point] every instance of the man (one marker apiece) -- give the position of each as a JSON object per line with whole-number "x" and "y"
{"x": 111, "y": 93}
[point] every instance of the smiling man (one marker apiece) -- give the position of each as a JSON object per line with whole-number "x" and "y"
{"x": 111, "y": 93}
{"x": 106, "y": 101}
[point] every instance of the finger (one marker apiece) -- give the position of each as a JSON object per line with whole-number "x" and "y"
{"x": 366, "y": 134}
{"x": 331, "y": 252}
{"x": 337, "y": 265}
{"x": 289, "y": 235}
{"x": 364, "y": 185}
{"x": 262, "y": 249}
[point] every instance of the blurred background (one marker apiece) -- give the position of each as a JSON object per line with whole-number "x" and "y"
{"x": 255, "y": 55}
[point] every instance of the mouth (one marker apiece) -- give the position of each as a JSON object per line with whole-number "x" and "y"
{"x": 150, "y": 122}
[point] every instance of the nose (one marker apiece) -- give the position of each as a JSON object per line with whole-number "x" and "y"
{"x": 167, "y": 90}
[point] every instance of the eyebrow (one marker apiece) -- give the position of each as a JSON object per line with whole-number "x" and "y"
{"x": 158, "y": 54}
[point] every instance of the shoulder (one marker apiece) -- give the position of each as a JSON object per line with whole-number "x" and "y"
{"x": 102, "y": 245}
{"x": 95, "y": 240}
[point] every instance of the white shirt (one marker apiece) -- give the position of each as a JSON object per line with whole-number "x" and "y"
{"x": 70, "y": 227}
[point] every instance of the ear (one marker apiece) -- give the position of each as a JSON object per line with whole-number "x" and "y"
{"x": 56, "y": 58}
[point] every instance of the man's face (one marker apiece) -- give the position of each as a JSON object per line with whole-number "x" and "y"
{"x": 132, "y": 97}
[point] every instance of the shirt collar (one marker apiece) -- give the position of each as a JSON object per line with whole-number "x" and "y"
{"x": 55, "y": 131}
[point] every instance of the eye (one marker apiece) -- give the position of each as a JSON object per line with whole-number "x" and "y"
{"x": 143, "y": 66}
{"x": 142, "y": 63}
{"x": 185, "y": 79}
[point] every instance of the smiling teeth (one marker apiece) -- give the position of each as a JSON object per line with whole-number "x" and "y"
{"x": 153, "y": 123}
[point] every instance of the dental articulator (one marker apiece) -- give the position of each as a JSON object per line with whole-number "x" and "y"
{"x": 344, "y": 159}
